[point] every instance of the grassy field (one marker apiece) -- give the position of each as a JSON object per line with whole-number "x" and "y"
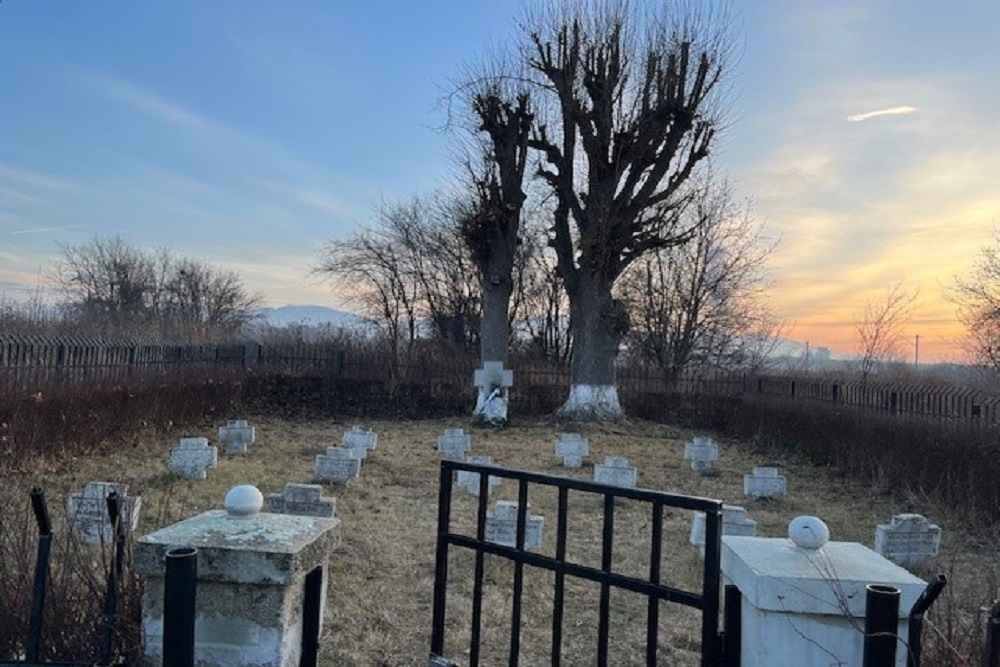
{"x": 380, "y": 592}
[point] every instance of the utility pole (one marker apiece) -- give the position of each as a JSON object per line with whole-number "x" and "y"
{"x": 916, "y": 351}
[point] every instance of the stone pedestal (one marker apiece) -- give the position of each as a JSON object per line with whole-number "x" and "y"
{"x": 252, "y": 580}
{"x": 806, "y": 607}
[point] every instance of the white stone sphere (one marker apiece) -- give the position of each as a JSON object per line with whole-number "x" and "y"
{"x": 244, "y": 500}
{"x": 808, "y": 532}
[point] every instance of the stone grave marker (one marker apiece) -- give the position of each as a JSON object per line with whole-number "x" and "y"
{"x": 236, "y": 435}
{"x": 734, "y": 522}
{"x": 88, "y": 511}
{"x": 701, "y": 452}
{"x": 338, "y": 466}
{"x": 360, "y": 440}
{"x": 470, "y": 480}
{"x": 908, "y": 540}
{"x": 572, "y": 447}
{"x": 765, "y": 482}
{"x": 616, "y": 471}
{"x": 493, "y": 382}
{"x": 454, "y": 444}
{"x": 193, "y": 457}
{"x": 302, "y": 500}
{"x": 501, "y": 526}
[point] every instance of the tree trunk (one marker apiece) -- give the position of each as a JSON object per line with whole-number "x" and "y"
{"x": 494, "y": 329}
{"x": 597, "y": 322}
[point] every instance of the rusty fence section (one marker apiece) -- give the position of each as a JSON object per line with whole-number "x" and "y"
{"x": 30, "y": 364}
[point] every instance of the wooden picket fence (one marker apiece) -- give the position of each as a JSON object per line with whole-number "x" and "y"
{"x": 30, "y": 364}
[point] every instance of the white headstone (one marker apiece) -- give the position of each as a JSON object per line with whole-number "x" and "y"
{"x": 734, "y": 522}
{"x": 492, "y": 381}
{"x": 360, "y": 440}
{"x": 88, "y": 512}
{"x": 193, "y": 457}
{"x": 572, "y": 447}
{"x": 470, "y": 480}
{"x": 302, "y": 500}
{"x": 236, "y": 435}
{"x": 908, "y": 540}
{"x": 765, "y": 482}
{"x": 701, "y": 452}
{"x": 501, "y": 526}
{"x": 454, "y": 444}
{"x": 615, "y": 471}
{"x": 338, "y": 466}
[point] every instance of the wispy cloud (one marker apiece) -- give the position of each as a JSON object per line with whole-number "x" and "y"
{"x": 44, "y": 230}
{"x": 33, "y": 179}
{"x": 147, "y": 101}
{"x": 891, "y": 111}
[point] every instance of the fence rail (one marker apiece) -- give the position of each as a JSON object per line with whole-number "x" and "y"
{"x": 30, "y": 364}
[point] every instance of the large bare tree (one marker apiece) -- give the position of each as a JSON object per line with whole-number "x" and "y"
{"x": 977, "y": 298}
{"x": 632, "y": 89}
{"x": 881, "y": 326}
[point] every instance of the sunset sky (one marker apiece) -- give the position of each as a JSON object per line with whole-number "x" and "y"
{"x": 247, "y": 133}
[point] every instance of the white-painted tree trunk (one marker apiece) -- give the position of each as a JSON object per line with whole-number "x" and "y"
{"x": 592, "y": 402}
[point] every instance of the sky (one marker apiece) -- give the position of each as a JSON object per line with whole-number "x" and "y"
{"x": 247, "y": 133}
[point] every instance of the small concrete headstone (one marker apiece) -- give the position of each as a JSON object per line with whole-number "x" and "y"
{"x": 338, "y": 466}
{"x": 572, "y": 447}
{"x": 501, "y": 526}
{"x": 88, "y": 512}
{"x": 193, "y": 457}
{"x": 454, "y": 444}
{"x": 493, "y": 382}
{"x": 734, "y": 522}
{"x": 236, "y": 435}
{"x": 908, "y": 540}
{"x": 470, "y": 480}
{"x": 616, "y": 471}
{"x": 765, "y": 482}
{"x": 302, "y": 500}
{"x": 701, "y": 452}
{"x": 360, "y": 440}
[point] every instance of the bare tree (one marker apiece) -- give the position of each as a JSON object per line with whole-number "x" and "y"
{"x": 205, "y": 301}
{"x": 631, "y": 88}
{"x": 977, "y": 298}
{"x": 881, "y": 327}
{"x": 703, "y": 303}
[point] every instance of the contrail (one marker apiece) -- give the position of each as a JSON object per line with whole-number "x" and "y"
{"x": 893, "y": 111}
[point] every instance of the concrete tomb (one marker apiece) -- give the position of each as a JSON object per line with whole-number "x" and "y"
{"x": 572, "y": 447}
{"x": 734, "y": 522}
{"x": 254, "y": 572}
{"x": 803, "y": 598}
{"x": 361, "y": 440}
{"x": 236, "y": 435}
{"x": 470, "y": 480}
{"x": 765, "y": 482}
{"x": 338, "y": 466}
{"x": 454, "y": 444}
{"x": 701, "y": 452}
{"x": 616, "y": 471}
{"x": 88, "y": 512}
{"x": 493, "y": 382}
{"x": 193, "y": 457}
{"x": 302, "y": 500}
{"x": 501, "y": 526}
{"x": 908, "y": 540}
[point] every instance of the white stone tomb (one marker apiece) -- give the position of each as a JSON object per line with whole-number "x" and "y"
{"x": 470, "y": 480}
{"x": 501, "y": 526}
{"x": 454, "y": 444}
{"x": 765, "y": 482}
{"x": 338, "y": 465}
{"x": 735, "y": 521}
{"x": 493, "y": 382}
{"x": 88, "y": 512}
{"x": 302, "y": 500}
{"x": 361, "y": 440}
{"x": 237, "y": 435}
{"x": 572, "y": 447}
{"x": 701, "y": 452}
{"x": 616, "y": 471}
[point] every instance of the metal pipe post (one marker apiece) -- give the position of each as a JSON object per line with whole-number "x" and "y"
{"x": 37, "y": 613}
{"x": 916, "y": 625}
{"x": 179, "y": 588}
{"x": 991, "y": 655}
{"x": 881, "y": 620}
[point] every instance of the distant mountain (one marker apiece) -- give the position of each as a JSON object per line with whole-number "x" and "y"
{"x": 310, "y": 315}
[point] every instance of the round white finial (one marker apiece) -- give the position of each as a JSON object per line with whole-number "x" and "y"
{"x": 244, "y": 500}
{"x": 808, "y": 532}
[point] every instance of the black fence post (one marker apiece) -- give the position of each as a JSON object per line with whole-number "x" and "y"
{"x": 991, "y": 654}
{"x": 111, "y": 592}
{"x": 180, "y": 585}
{"x": 34, "y": 644}
{"x": 733, "y": 620}
{"x": 881, "y": 620}
{"x": 916, "y": 626}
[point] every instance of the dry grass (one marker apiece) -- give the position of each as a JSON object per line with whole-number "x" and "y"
{"x": 379, "y": 608}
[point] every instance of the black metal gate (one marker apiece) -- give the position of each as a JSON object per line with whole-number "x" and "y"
{"x": 706, "y": 600}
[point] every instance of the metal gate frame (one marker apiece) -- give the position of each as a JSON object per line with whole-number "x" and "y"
{"x": 707, "y": 600}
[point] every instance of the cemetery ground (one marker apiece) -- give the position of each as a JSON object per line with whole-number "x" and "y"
{"x": 378, "y": 610}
